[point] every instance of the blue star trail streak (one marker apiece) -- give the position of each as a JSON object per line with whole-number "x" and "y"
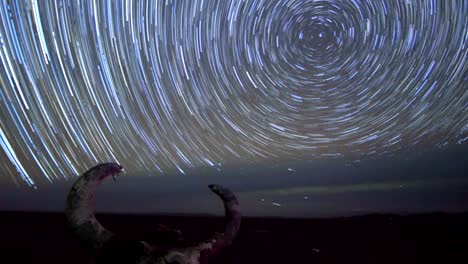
{"x": 173, "y": 85}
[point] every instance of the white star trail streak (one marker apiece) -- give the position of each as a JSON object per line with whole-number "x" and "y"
{"x": 172, "y": 85}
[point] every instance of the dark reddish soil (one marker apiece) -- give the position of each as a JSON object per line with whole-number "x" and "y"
{"x": 429, "y": 238}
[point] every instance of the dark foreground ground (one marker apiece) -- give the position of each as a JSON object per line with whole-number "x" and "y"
{"x": 430, "y": 238}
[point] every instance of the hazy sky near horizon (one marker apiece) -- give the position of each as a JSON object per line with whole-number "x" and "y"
{"x": 171, "y": 87}
{"x": 431, "y": 181}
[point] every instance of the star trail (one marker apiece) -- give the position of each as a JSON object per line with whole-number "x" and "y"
{"x": 164, "y": 86}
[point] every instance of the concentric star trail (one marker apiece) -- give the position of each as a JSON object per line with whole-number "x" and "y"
{"x": 173, "y": 85}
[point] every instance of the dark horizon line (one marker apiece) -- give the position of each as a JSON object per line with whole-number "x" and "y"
{"x": 207, "y": 215}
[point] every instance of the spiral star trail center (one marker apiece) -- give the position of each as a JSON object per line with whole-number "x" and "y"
{"x": 174, "y": 85}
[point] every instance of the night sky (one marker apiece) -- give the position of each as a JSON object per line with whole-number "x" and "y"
{"x": 298, "y": 106}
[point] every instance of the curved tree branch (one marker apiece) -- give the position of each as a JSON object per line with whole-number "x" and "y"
{"x": 79, "y": 209}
